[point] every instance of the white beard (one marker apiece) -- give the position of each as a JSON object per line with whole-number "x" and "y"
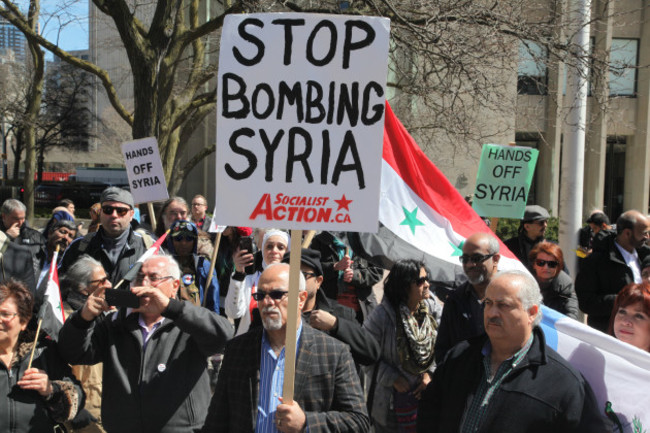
{"x": 272, "y": 323}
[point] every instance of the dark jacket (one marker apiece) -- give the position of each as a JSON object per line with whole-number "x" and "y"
{"x": 33, "y": 241}
{"x": 165, "y": 388}
{"x": 559, "y": 295}
{"x": 364, "y": 347}
{"x": 364, "y": 278}
{"x": 326, "y": 385}
{"x": 462, "y": 318}
{"x": 521, "y": 245}
{"x": 603, "y": 274}
{"x": 91, "y": 244}
{"x": 543, "y": 394}
{"x": 17, "y": 263}
{"x": 26, "y": 410}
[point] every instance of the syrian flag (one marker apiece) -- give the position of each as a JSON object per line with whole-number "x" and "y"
{"x": 53, "y": 292}
{"x": 421, "y": 214}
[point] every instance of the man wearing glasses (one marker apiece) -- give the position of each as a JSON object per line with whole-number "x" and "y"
{"x": 462, "y": 315}
{"x": 155, "y": 356}
{"x": 199, "y": 216}
{"x": 328, "y": 395}
{"x": 115, "y": 245}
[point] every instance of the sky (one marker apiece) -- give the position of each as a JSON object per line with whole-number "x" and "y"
{"x": 64, "y": 22}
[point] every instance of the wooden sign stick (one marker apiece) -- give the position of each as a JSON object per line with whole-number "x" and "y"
{"x": 292, "y": 318}
{"x": 152, "y": 216}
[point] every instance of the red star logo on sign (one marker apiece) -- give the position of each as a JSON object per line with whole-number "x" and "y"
{"x": 343, "y": 203}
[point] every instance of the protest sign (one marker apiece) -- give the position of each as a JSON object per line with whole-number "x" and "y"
{"x": 145, "y": 171}
{"x": 503, "y": 180}
{"x": 300, "y": 118}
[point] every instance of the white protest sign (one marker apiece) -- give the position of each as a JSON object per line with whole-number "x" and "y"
{"x": 300, "y": 117}
{"x": 145, "y": 171}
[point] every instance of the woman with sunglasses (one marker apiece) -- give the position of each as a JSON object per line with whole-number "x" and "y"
{"x": 38, "y": 396}
{"x": 240, "y": 304}
{"x": 547, "y": 262}
{"x": 405, "y": 325}
{"x": 630, "y": 319}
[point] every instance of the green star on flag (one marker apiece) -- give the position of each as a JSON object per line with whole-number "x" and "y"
{"x": 458, "y": 250}
{"x": 411, "y": 219}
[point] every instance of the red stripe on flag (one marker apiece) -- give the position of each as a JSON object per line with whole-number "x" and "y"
{"x": 403, "y": 154}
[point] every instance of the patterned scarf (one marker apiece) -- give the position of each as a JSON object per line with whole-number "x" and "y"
{"x": 415, "y": 338}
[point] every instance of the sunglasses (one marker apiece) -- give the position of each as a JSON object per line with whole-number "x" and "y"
{"x": 309, "y": 275}
{"x": 276, "y": 295}
{"x": 181, "y": 238}
{"x": 474, "y": 258}
{"x": 421, "y": 280}
{"x": 121, "y": 211}
{"x": 551, "y": 263}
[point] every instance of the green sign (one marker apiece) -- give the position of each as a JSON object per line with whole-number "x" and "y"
{"x": 503, "y": 180}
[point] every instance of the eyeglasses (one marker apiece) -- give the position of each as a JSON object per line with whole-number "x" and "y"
{"x": 276, "y": 295}
{"x": 7, "y": 316}
{"x": 551, "y": 263}
{"x": 154, "y": 280}
{"x": 188, "y": 238}
{"x": 474, "y": 258}
{"x": 99, "y": 281}
{"x": 309, "y": 275}
{"x": 198, "y": 204}
{"x": 121, "y": 211}
{"x": 421, "y": 280}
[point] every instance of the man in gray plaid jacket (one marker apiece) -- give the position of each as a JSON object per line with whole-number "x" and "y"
{"x": 328, "y": 395}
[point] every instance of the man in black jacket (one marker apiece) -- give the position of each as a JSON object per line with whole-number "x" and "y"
{"x": 614, "y": 263}
{"x": 115, "y": 245}
{"x": 531, "y": 231}
{"x": 154, "y": 356}
{"x": 337, "y": 320}
{"x": 14, "y": 225}
{"x": 462, "y": 315}
{"x": 510, "y": 381}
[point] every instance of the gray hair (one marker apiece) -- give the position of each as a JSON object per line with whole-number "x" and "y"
{"x": 172, "y": 266}
{"x": 302, "y": 284}
{"x": 529, "y": 293}
{"x": 78, "y": 277}
{"x": 11, "y": 205}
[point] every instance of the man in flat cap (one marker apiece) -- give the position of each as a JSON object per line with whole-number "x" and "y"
{"x": 115, "y": 245}
{"x": 532, "y": 229}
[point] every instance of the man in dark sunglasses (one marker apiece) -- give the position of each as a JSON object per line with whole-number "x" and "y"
{"x": 462, "y": 316}
{"x": 532, "y": 229}
{"x": 251, "y": 378}
{"x": 116, "y": 245}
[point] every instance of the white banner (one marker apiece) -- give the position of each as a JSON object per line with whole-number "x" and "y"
{"x": 618, "y": 372}
{"x": 145, "y": 171}
{"x": 300, "y": 118}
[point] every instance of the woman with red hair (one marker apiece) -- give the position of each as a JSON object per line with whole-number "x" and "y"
{"x": 630, "y": 319}
{"x": 547, "y": 262}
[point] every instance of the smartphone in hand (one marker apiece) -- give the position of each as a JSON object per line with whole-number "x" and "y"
{"x": 246, "y": 243}
{"x": 121, "y": 298}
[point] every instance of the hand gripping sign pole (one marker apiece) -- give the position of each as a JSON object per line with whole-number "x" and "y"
{"x": 292, "y": 317}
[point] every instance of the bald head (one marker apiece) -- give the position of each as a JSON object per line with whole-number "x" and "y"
{"x": 480, "y": 260}
{"x": 633, "y": 230}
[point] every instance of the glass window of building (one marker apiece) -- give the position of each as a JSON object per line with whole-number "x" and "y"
{"x": 531, "y": 71}
{"x": 623, "y": 61}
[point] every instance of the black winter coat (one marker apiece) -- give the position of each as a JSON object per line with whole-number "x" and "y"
{"x": 543, "y": 394}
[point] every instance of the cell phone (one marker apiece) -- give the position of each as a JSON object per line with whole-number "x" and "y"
{"x": 121, "y": 298}
{"x": 246, "y": 243}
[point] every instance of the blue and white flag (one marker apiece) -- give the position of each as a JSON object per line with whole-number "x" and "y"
{"x": 618, "y": 372}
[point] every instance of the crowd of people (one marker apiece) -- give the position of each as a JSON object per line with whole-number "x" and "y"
{"x": 176, "y": 343}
